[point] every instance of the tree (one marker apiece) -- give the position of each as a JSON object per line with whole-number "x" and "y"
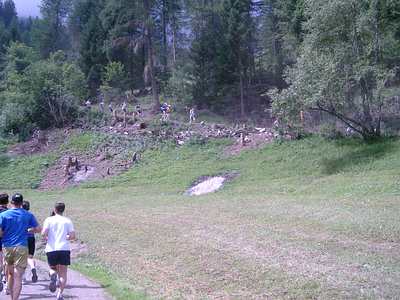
{"x": 148, "y": 38}
{"x": 204, "y": 51}
{"x": 89, "y": 38}
{"x": 346, "y": 65}
{"x": 9, "y": 13}
{"x": 237, "y": 22}
{"x": 281, "y": 35}
{"x": 54, "y": 36}
{"x": 57, "y": 87}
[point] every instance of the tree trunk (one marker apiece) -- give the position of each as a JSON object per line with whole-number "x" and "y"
{"x": 242, "y": 110}
{"x": 164, "y": 55}
{"x": 150, "y": 62}
{"x": 174, "y": 40}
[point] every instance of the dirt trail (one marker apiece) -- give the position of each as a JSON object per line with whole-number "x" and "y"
{"x": 79, "y": 287}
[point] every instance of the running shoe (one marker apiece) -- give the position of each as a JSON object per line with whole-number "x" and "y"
{"x": 53, "y": 282}
{"x": 34, "y": 276}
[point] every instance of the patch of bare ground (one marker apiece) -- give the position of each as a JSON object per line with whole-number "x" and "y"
{"x": 91, "y": 167}
{"x": 40, "y": 143}
{"x": 253, "y": 140}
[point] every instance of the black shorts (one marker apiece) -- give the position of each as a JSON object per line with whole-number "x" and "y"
{"x": 55, "y": 258}
{"x": 31, "y": 245}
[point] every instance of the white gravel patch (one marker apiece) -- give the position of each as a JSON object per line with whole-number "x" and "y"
{"x": 207, "y": 186}
{"x": 83, "y": 175}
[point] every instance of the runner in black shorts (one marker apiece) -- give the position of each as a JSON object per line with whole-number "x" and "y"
{"x": 3, "y": 207}
{"x": 58, "y": 231}
{"x": 59, "y": 258}
{"x": 31, "y": 247}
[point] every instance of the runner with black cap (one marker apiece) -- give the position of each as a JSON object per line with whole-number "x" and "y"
{"x": 3, "y": 207}
{"x": 15, "y": 223}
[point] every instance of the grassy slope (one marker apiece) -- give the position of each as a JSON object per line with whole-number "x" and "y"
{"x": 22, "y": 172}
{"x": 304, "y": 219}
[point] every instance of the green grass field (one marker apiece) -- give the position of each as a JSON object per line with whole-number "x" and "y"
{"x": 309, "y": 219}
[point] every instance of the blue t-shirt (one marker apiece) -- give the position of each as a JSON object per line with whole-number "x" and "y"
{"x": 15, "y": 223}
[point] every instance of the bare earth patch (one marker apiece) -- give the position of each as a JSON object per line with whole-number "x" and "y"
{"x": 91, "y": 168}
{"x": 253, "y": 141}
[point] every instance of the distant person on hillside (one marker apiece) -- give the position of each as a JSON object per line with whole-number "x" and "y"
{"x": 138, "y": 110}
{"x": 124, "y": 107}
{"x": 110, "y": 108}
{"x": 192, "y": 116}
{"x": 58, "y": 231}
{"x": 88, "y": 104}
{"x": 165, "y": 111}
{"x": 101, "y": 106}
{"x": 31, "y": 246}
{"x": 3, "y": 207}
{"x": 15, "y": 224}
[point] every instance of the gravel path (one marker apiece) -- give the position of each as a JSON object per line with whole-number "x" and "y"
{"x": 78, "y": 287}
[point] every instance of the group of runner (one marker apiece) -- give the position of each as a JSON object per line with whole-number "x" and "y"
{"x": 17, "y": 245}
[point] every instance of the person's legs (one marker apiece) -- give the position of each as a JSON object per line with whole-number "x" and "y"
{"x": 53, "y": 279}
{"x": 32, "y": 265}
{"x": 31, "y": 261}
{"x": 1, "y": 271}
{"x": 10, "y": 279}
{"x": 52, "y": 261}
{"x": 62, "y": 277}
{"x": 20, "y": 261}
{"x": 16, "y": 291}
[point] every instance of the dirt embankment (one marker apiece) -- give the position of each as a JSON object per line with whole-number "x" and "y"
{"x": 113, "y": 158}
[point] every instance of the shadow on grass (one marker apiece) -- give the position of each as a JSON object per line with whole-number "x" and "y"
{"x": 356, "y": 153}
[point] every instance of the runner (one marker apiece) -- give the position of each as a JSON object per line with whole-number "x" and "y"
{"x": 31, "y": 247}
{"x": 58, "y": 231}
{"x": 3, "y": 207}
{"x": 15, "y": 224}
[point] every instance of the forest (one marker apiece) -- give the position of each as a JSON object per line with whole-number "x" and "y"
{"x": 233, "y": 57}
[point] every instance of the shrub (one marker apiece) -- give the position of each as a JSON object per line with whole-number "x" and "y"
{"x": 15, "y": 120}
{"x": 329, "y": 131}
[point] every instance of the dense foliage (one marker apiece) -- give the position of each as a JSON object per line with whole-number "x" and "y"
{"x": 340, "y": 57}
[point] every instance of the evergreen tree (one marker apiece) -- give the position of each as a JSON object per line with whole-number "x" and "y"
{"x": 54, "y": 35}
{"x": 89, "y": 39}
{"x": 9, "y": 13}
{"x": 237, "y": 22}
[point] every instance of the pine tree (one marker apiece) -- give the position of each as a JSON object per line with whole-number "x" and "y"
{"x": 9, "y": 13}
{"x": 89, "y": 38}
{"x": 237, "y": 22}
{"x": 54, "y": 36}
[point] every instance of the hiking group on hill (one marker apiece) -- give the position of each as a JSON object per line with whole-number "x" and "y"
{"x": 17, "y": 245}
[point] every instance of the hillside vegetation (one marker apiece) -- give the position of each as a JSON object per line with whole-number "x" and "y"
{"x": 304, "y": 219}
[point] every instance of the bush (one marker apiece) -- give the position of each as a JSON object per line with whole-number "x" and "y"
{"x": 180, "y": 86}
{"x": 329, "y": 131}
{"x": 15, "y": 120}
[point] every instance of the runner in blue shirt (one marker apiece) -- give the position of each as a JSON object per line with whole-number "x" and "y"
{"x": 3, "y": 207}
{"x": 14, "y": 226}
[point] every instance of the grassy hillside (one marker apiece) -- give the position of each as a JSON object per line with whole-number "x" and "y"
{"x": 304, "y": 219}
